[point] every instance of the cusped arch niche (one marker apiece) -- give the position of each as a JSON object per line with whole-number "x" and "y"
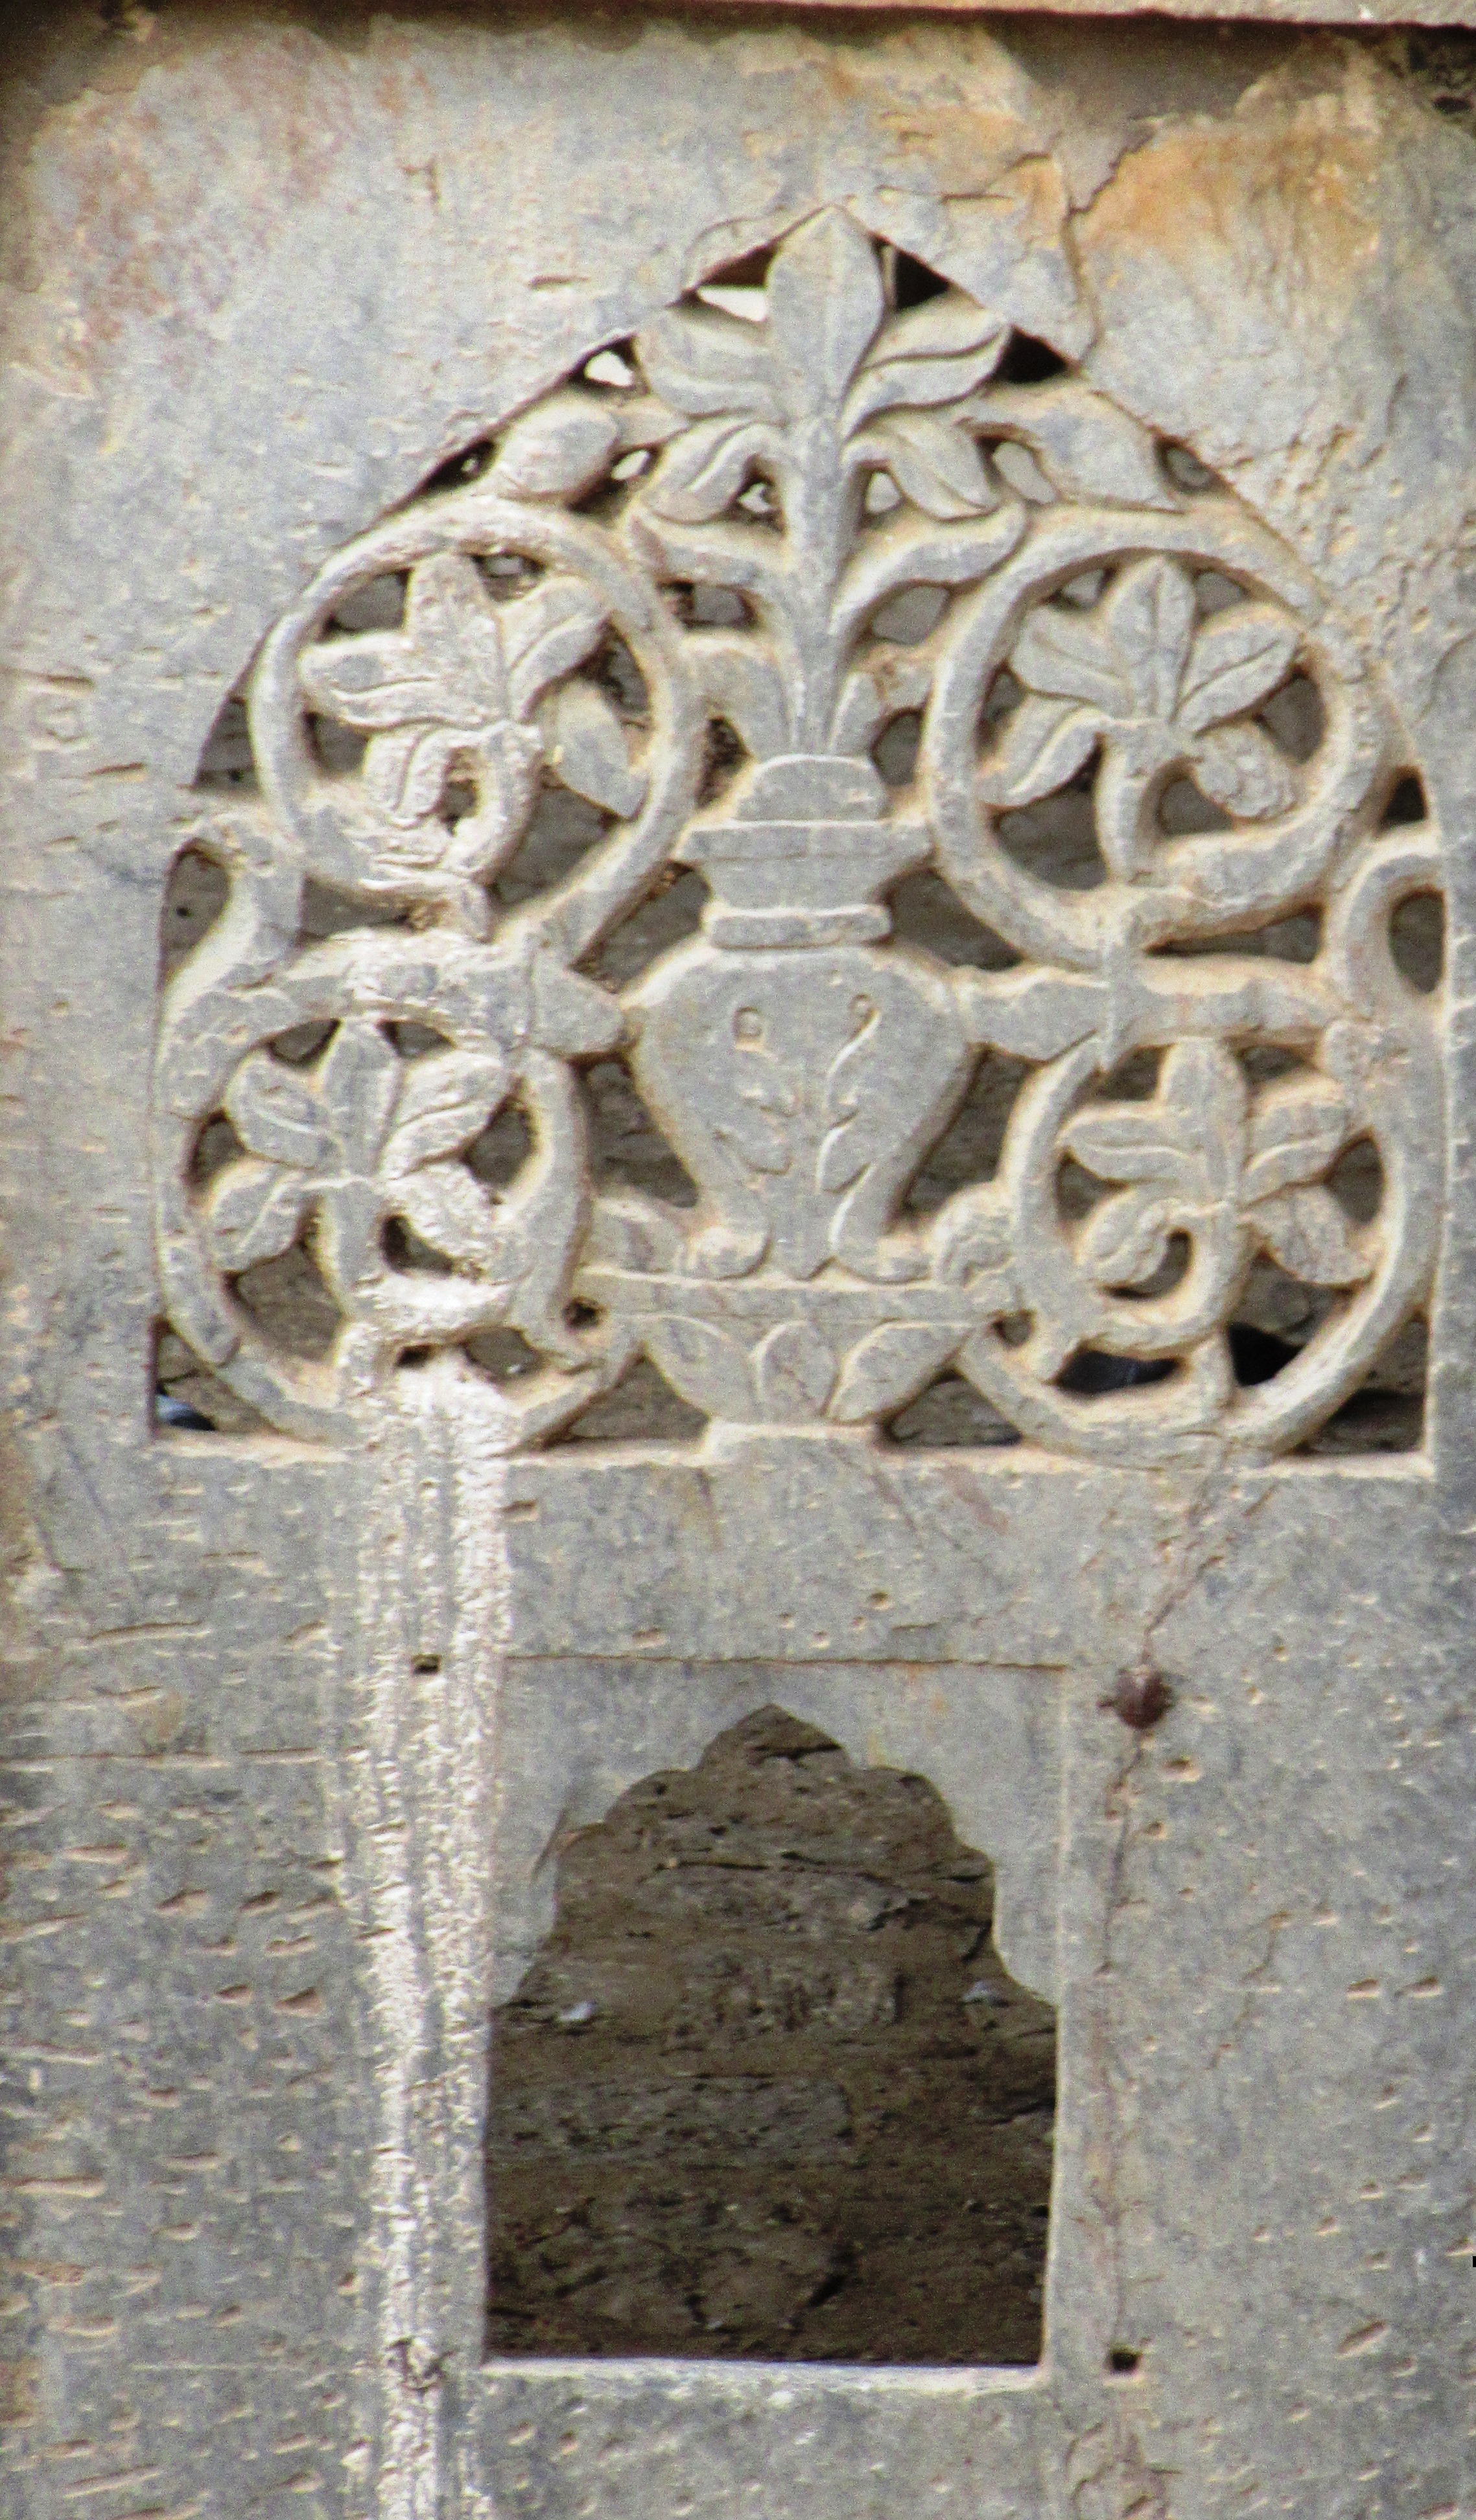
{"x": 767, "y": 2090}
{"x": 615, "y": 752}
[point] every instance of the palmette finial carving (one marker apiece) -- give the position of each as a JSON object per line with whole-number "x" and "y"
{"x": 721, "y": 528}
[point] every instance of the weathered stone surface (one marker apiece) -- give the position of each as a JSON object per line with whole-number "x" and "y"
{"x": 552, "y": 1009}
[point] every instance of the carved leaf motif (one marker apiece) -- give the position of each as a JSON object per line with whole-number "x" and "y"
{"x": 1203, "y": 1095}
{"x": 451, "y": 682}
{"x": 444, "y": 668}
{"x": 1153, "y": 686}
{"x": 1238, "y": 657}
{"x": 824, "y": 303}
{"x": 446, "y": 1100}
{"x": 446, "y": 1208}
{"x": 359, "y": 1085}
{"x": 889, "y": 1368}
{"x": 1045, "y": 743}
{"x": 1086, "y": 447}
{"x": 275, "y": 1112}
{"x": 405, "y": 772}
{"x": 557, "y": 450}
{"x": 471, "y": 688}
{"x": 546, "y": 634}
{"x": 794, "y": 1371}
{"x": 1063, "y": 655}
{"x": 1308, "y": 1235}
{"x": 910, "y": 552}
{"x": 756, "y": 1120}
{"x": 705, "y": 468}
{"x": 1126, "y": 1238}
{"x": 855, "y": 1109}
{"x": 932, "y": 353}
{"x": 1239, "y": 768}
{"x": 703, "y": 1365}
{"x": 934, "y": 464}
{"x": 255, "y": 1211}
{"x": 1148, "y": 617}
{"x": 1190, "y": 1137}
{"x": 707, "y": 364}
{"x": 1295, "y": 1133}
{"x": 590, "y": 752}
{"x": 743, "y": 682}
{"x": 1120, "y": 1143}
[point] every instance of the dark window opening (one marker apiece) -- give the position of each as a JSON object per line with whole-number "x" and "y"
{"x": 768, "y": 2091}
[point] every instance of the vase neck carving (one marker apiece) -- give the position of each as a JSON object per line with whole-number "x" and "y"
{"x": 800, "y": 854}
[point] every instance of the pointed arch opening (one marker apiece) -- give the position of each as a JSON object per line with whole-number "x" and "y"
{"x": 767, "y": 2090}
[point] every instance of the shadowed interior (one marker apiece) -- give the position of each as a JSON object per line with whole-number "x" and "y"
{"x": 766, "y": 2088}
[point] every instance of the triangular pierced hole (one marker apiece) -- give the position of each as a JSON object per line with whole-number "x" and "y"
{"x": 1029, "y": 362}
{"x": 627, "y": 1150}
{"x": 1055, "y": 842}
{"x": 563, "y": 829}
{"x": 642, "y": 1409}
{"x": 671, "y": 911}
{"x": 969, "y": 1151}
{"x": 190, "y": 1400}
{"x": 194, "y": 898}
{"x": 948, "y": 1415}
{"x": 226, "y": 763}
{"x": 929, "y": 913}
{"x": 1407, "y": 803}
{"x": 290, "y": 1303}
{"x": 1387, "y": 1412}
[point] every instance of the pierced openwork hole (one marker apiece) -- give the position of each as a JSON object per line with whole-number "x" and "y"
{"x": 948, "y": 1415}
{"x": 336, "y": 749}
{"x": 971, "y": 1146}
{"x": 1056, "y": 839}
{"x": 927, "y": 913}
{"x": 642, "y": 1409}
{"x": 1387, "y": 1412}
{"x": 627, "y": 1148}
{"x": 767, "y": 2090}
{"x": 1093, "y": 1373}
{"x": 723, "y": 755}
{"x": 895, "y": 750}
{"x": 194, "y": 898}
{"x": 1029, "y": 362}
{"x": 565, "y": 828}
{"x": 460, "y": 468}
{"x": 290, "y": 1303}
{"x": 498, "y": 1155}
{"x": 1184, "y": 809}
{"x": 403, "y": 1250}
{"x": 377, "y": 605}
{"x": 503, "y": 1354}
{"x": 188, "y": 1399}
{"x": 1417, "y": 941}
{"x": 1184, "y": 470}
{"x": 1407, "y": 803}
{"x": 671, "y": 911}
{"x": 226, "y": 762}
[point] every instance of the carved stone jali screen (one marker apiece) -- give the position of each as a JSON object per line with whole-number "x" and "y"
{"x": 740, "y": 804}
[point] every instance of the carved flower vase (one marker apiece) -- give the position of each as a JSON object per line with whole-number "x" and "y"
{"x": 800, "y": 1068}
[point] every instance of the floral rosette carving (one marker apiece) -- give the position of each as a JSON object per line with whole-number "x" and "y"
{"x": 815, "y": 502}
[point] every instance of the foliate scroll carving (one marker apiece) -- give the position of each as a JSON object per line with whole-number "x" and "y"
{"x": 807, "y": 510}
